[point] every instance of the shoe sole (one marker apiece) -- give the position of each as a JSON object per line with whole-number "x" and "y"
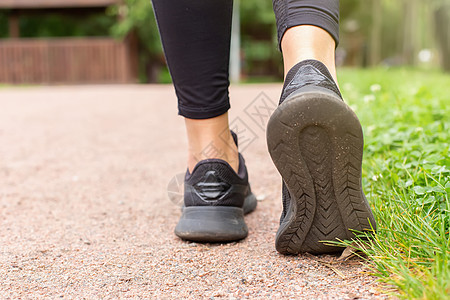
{"x": 214, "y": 224}
{"x": 316, "y": 142}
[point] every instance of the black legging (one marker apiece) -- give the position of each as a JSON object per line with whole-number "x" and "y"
{"x": 196, "y": 41}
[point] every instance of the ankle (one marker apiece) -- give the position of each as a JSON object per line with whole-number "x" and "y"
{"x": 308, "y": 42}
{"x": 225, "y": 150}
{"x": 211, "y": 138}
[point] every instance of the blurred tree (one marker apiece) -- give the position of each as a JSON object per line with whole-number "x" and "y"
{"x": 58, "y": 25}
{"x": 136, "y": 18}
{"x": 410, "y": 32}
{"x": 257, "y": 19}
{"x": 375, "y": 34}
{"x": 3, "y": 25}
{"x": 348, "y": 8}
{"x": 357, "y": 32}
{"x": 442, "y": 30}
{"x": 385, "y": 31}
{"x": 259, "y": 40}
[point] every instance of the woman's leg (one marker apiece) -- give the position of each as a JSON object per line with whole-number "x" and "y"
{"x": 196, "y": 41}
{"x": 314, "y": 138}
{"x": 308, "y": 29}
{"x": 210, "y": 138}
{"x": 308, "y": 42}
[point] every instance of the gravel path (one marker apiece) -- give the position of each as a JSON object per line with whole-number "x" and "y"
{"x": 85, "y": 212}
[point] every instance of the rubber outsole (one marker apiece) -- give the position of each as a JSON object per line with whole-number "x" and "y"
{"x": 316, "y": 142}
{"x": 250, "y": 203}
{"x": 214, "y": 224}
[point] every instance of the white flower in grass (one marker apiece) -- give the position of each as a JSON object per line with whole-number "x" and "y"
{"x": 368, "y": 98}
{"x": 375, "y": 88}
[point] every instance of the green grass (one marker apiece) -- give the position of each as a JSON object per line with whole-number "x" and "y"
{"x": 406, "y": 175}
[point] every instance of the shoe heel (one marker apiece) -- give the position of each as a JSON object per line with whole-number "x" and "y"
{"x": 316, "y": 143}
{"x": 212, "y": 224}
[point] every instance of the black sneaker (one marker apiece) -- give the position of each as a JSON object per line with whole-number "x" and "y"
{"x": 215, "y": 201}
{"x": 316, "y": 142}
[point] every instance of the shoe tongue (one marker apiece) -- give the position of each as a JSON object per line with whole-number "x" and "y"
{"x": 308, "y": 72}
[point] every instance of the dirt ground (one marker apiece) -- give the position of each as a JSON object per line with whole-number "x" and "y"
{"x": 85, "y": 210}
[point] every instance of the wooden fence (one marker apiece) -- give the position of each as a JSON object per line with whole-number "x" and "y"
{"x": 67, "y": 60}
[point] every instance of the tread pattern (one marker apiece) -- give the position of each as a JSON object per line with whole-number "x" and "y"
{"x": 300, "y": 186}
{"x": 319, "y": 159}
{"x": 347, "y": 178}
{"x": 328, "y": 224}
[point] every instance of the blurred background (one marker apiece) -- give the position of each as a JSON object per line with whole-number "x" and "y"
{"x": 117, "y": 41}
